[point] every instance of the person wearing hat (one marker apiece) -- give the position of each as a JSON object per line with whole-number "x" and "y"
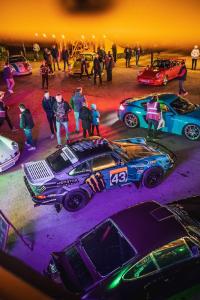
{"x": 4, "y": 113}
{"x": 195, "y": 56}
{"x": 76, "y": 103}
{"x": 95, "y": 118}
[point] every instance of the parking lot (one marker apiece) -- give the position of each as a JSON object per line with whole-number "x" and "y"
{"x": 50, "y": 231}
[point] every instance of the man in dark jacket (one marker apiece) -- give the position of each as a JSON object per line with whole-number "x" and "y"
{"x": 65, "y": 58}
{"x": 47, "y": 104}
{"x": 76, "y": 103}
{"x": 86, "y": 117}
{"x": 182, "y": 75}
{"x": 55, "y": 55}
{"x": 4, "y": 113}
{"x": 114, "y": 52}
{"x": 97, "y": 69}
{"x": 128, "y": 55}
{"x": 109, "y": 66}
{"x": 61, "y": 109}
{"x": 44, "y": 71}
{"x": 8, "y": 77}
{"x": 27, "y": 124}
{"x": 84, "y": 67}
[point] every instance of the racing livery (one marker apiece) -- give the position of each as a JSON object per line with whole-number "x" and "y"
{"x": 161, "y": 71}
{"x": 72, "y": 175}
{"x": 20, "y": 65}
{"x": 180, "y": 115}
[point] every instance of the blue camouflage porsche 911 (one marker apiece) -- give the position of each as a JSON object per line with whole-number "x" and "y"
{"x": 72, "y": 175}
{"x": 180, "y": 115}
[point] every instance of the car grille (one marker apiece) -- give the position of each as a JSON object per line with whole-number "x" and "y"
{"x": 38, "y": 171}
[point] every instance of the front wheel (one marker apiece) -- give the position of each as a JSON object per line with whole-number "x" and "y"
{"x": 153, "y": 177}
{"x": 75, "y": 200}
{"x": 131, "y": 120}
{"x": 192, "y": 132}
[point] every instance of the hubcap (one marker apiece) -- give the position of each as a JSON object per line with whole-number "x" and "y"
{"x": 131, "y": 120}
{"x": 192, "y": 132}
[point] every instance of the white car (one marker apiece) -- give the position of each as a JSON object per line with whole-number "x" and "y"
{"x": 9, "y": 153}
{"x": 20, "y": 65}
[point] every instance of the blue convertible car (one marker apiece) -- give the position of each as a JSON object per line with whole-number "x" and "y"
{"x": 181, "y": 116}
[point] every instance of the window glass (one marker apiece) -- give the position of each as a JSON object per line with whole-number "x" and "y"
{"x": 143, "y": 267}
{"x": 103, "y": 162}
{"x": 182, "y": 106}
{"x": 107, "y": 248}
{"x": 172, "y": 253}
{"x": 82, "y": 168}
{"x": 164, "y": 107}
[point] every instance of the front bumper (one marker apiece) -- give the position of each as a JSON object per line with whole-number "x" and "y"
{"x": 164, "y": 149}
{"x": 150, "y": 81}
{"x": 10, "y": 163}
{"x": 50, "y": 199}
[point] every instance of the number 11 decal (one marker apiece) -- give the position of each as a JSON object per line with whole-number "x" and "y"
{"x": 118, "y": 176}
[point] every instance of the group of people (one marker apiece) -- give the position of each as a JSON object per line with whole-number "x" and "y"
{"x": 129, "y": 52}
{"x": 57, "y": 112}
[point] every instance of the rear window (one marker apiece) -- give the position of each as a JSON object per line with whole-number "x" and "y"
{"x": 17, "y": 59}
{"x": 58, "y": 161}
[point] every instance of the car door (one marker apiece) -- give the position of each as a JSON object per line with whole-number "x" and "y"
{"x": 81, "y": 172}
{"x": 113, "y": 170}
{"x": 169, "y": 117}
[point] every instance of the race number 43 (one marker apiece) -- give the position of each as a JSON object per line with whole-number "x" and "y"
{"x": 118, "y": 176}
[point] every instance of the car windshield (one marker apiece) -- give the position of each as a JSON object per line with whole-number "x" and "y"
{"x": 107, "y": 248}
{"x": 161, "y": 64}
{"x": 15, "y": 59}
{"x": 182, "y": 106}
{"x": 129, "y": 151}
{"x": 58, "y": 161}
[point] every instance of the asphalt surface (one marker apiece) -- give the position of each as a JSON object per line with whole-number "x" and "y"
{"x": 50, "y": 231}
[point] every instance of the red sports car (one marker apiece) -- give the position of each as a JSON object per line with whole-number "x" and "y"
{"x": 161, "y": 71}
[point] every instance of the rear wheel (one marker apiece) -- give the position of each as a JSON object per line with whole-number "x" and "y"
{"x": 165, "y": 80}
{"x": 192, "y": 132}
{"x": 75, "y": 200}
{"x": 131, "y": 120}
{"x": 153, "y": 177}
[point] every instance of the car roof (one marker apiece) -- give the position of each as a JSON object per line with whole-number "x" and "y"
{"x": 149, "y": 226}
{"x": 11, "y": 56}
{"x": 87, "y": 148}
{"x": 164, "y": 97}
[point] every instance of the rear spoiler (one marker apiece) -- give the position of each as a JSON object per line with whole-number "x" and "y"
{"x": 162, "y": 148}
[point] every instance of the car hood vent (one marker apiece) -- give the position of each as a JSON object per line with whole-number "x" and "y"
{"x": 38, "y": 172}
{"x": 161, "y": 214}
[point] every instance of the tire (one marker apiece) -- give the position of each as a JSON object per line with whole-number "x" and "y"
{"x": 153, "y": 177}
{"x": 192, "y": 132}
{"x": 165, "y": 80}
{"x": 75, "y": 200}
{"x": 131, "y": 120}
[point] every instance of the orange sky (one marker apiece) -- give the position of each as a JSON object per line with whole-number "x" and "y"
{"x": 172, "y": 22}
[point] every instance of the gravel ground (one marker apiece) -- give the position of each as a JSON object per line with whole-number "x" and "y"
{"x": 43, "y": 226}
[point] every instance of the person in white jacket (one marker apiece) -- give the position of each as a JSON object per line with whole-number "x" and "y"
{"x": 195, "y": 55}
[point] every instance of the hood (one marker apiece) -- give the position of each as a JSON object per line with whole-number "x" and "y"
{"x": 38, "y": 173}
{"x": 151, "y": 72}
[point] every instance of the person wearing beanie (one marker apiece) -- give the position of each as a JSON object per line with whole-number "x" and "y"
{"x": 95, "y": 118}
{"x": 195, "y": 56}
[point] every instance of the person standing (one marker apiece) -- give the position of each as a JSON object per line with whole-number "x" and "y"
{"x": 86, "y": 118}
{"x": 36, "y": 50}
{"x": 61, "y": 109}
{"x": 153, "y": 116}
{"x": 44, "y": 71}
{"x": 8, "y": 77}
{"x": 109, "y": 66}
{"x": 47, "y": 104}
{"x": 84, "y": 67}
{"x": 182, "y": 75}
{"x": 76, "y": 103}
{"x": 195, "y": 56}
{"x": 95, "y": 118}
{"x": 55, "y": 55}
{"x": 27, "y": 124}
{"x": 48, "y": 59}
{"x": 128, "y": 55}
{"x": 4, "y": 113}
{"x": 114, "y": 52}
{"x": 65, "y": 58}
{"x": 137, "y": 55}
{"x": 97, "y": 69}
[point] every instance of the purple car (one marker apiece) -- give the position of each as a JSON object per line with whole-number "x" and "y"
{"x": 143, "y": 246}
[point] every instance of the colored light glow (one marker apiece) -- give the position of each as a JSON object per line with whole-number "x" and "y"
{"x": 82, "y": 37}
{"x": 104, "y": 36}
{"x": 53, "y": 36}
{"x": 63, "y": 36}
{"x": 93, "y": 36}
{"x": 36, "y": 34}
{"x": 116, "y": 281}
{"x": 44, "y": 35}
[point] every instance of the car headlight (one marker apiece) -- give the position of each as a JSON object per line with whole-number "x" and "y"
{"x": 14, "y": 145}
{"x": 121, "y": 107}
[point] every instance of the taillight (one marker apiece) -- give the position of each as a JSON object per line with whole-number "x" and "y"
{"x": 41, "y": 197}
{"x": 121, "y": 107}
